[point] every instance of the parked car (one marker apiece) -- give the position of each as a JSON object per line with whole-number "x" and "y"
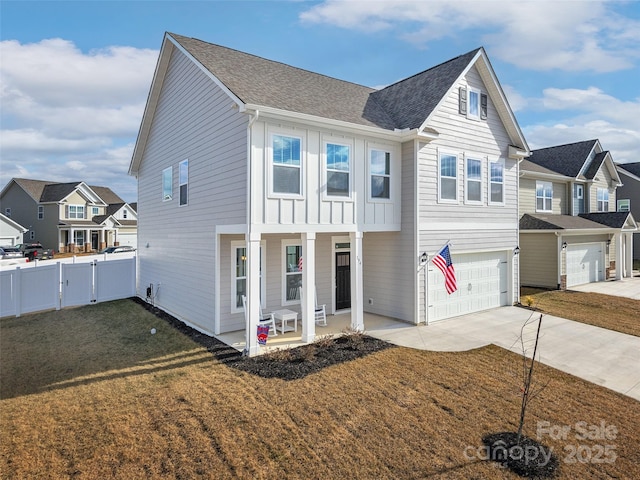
{"x": 8, "y": 252}
{"x": 35, "y": 251}
{"x": 120, "y": 249}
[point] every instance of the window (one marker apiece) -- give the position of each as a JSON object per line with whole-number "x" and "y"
{"x": 380, "y": 171}
{"x": 496, "y": 182}
{"x": 7, "y": 212}
{"x": 292, "y": 273}
{"x": 448, "y": 175}
{"x": 239, "y": 275}
{"x": 603, "y": 199}
{"x": 578, "y": 198}
{"x": 338, "y": 168}
{"x": 95, "y": 211}
{"x": 544, "y": 196}
{"x": 287, "y": 165}
{"x": 32, "y": 235}
{"x": 167, "y": 184}
{"x": 124, "y": 213}
{"x": 473, "y": 191}
{"x": 40, "y": 212}
{"x": 472, "y": 103}
{"x": 624, "y": 205}
{"x": 183, "y": 179}
{"x": 76, "y": 211}
{"x": 78, "y": 237}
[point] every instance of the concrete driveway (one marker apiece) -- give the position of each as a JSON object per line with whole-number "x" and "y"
{"x": 626, "y": 287}
{"x": 601, "y": 356}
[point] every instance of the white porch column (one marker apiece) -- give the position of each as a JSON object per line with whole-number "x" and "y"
{"x": 253, "y": 293}
{"x": 308, "y": 287}
{"x": 628, "y": 255}
{"x": 72, "y": 239}
{"x": 357, "y": 295}
{"x": 619, "y": 256}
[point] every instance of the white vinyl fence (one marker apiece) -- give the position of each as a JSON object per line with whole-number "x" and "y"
{"x": 53, "y": 286}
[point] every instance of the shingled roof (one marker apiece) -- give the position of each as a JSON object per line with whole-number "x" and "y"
{"x": 45, "y": 191}
{"x": 564, "y": 159}
{"x": 632, "y": 168}
{"x": 256, "y": 80}
{"x": 557, "y": 222}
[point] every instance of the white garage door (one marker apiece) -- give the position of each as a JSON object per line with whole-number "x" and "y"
{"x": 130, "y": 239}
{"x": 6, "y": 241}
{"x": 585, "y": 263}
{"x": 483, "y": 280}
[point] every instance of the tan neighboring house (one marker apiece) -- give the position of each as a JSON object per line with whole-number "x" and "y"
{"x": 570, "y": 230}
{"x": 10, "y": 232}
{"x": 69, "y": 217}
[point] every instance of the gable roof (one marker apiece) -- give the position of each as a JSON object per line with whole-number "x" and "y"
{"x": 584, "y": 221}
{"x": 13, "y": 223}
{"x": 255, "y": 83}
{"x": 631, "y": 169}
{"x": 50, "y": 192}
{"x": 566, "y": 159}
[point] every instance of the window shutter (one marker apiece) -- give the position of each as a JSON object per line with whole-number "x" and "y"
{"x": 66, "y": 211}
{"x": 483, "y": 106}
{"x": 462, "y": 100}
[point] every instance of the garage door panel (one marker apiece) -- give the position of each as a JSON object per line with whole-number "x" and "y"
{"x": 482, "y": 280}
{"x": 585, "y": 263}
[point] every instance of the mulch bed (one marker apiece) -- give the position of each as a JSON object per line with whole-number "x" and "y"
{"x": 285, "y": 364}
{"x": 529, "y": 458}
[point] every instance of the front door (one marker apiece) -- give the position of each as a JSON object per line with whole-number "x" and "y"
{"x": 343, "y": 280}
{"x": 94, "y": 240}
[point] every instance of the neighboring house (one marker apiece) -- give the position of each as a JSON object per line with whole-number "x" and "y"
{"x": 570, "y": 231}
{"x": 69, "y": 217}
{"x": 629, "y": 197}
{"x": 276, "y": 178}
{"x": 10, "y": 232}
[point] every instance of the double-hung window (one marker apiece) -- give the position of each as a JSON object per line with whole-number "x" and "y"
{"x": 624, "y": 205}
{"x": 544, "y": 196}
{"x": 472, "y": 103}
{"x": 338, "y": 170}
{"x": 286, "y": 164}
{"x": 603, "y": 199}
{"x": 76, "y": 212}
{"x": 95, "y": 211}
{"x": 292, "y": 278}
{"x": 473, "y": 190}
{"x": 448, "y": 177}
{"x": 239, "y": 275}
{"x": 78, "y": 237}
{"x": 183, "y": 179}
{"x": 496, "y": 182}
{"x": 167, "y": 184}
{"x": 40, "y": 212}
{"x": 380, "y": 173}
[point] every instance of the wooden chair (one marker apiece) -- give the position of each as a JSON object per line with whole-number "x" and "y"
{"x": 264, "y": 319}
{"x": 320, "y": 312}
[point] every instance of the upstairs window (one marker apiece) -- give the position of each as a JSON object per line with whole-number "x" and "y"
{"x": 380, "y": 172}
{"x": 287, "y": 165}
{"x": 496, "y": 182}
{"x": 473, "y": 190}
{"x": 448, "y": 177}
{"x": 7, "y": 212}
{"x": 95, "y": 211}
{"x": 124, "y": 214}
{"x": 183, "y": 178}
{"x": 40, "y": 212}
{"x": 75, "y": 212}
{"x": 167, "y": 184}
{"x": 603, "y": 199}
{"x": 624, "y": 205}
{"x": 338, "y": 170}
{"x": 544, "y": 196}
{"x": 472, "y": 103}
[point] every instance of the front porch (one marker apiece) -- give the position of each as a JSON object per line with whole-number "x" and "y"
{"x": 336, "y": 325}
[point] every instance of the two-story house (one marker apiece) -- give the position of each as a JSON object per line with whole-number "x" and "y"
{"x": 69, "y": 217}
{"x": 279, "y": 178}
{"x": 629, "y": 197}
{"x": 570, "y": 231}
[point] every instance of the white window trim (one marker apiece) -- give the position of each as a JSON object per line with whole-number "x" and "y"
{"x": 270, "y": 163}
{"x": 386, "y": 149}
{"x": 623, "y": 202}
{"x": 40, "y": 212}
{"x": 241, "y": 244}
{"x": 288, "y": 243}
{"x": 325, "y": 169}
{"x": 180, "y": 184}
{"x": 480, "y": 159}
{"x": 169, "y": 171}
{"x": 83, "y": 207}
{"x": 489, "y": 182}
{"x": 544, "y": 183}
{"x": 598, "y": 201}
{"x": 442, "y": 153}
{"x": 470, "y": 116}
{"x": 95, "y": 211}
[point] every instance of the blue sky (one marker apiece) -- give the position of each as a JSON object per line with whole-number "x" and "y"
{"x": 74, "y": 76}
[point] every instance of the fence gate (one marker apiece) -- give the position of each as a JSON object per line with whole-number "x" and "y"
{"x": 77, "y": 284}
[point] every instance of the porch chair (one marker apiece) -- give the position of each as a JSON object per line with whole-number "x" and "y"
{"x": 264, "y": 319}
{"x": 319, "y": 311}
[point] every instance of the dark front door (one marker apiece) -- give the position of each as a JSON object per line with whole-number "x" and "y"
{"x": 94, "y": 240}
{"x": 343, "y": 280}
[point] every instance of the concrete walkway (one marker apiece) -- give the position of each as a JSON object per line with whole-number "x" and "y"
{"x": 626, "y": 287}
{"x": 601, "y": 356}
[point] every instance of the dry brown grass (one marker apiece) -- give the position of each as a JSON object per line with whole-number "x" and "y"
{"x": 89, "y": 393}
{"x": 614, "y": 313}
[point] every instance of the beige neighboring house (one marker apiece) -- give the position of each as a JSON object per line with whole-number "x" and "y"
{"x": 70, "y": 217}
{"x": 571, "y": 231}
{"x": 10, "y": 232}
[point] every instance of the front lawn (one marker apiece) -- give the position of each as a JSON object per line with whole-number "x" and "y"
{"x": 91, "y": 393}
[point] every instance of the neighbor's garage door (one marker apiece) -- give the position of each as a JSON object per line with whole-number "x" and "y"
{"x": 483, "y": 280}
{"x": 6, "y": 241}
{"x": 585, "y": 263}
{"x": 130, "y": 239}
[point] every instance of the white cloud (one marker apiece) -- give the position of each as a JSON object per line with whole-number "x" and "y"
{"x": 538, "y": 35}
{"x": 61, "y": 103}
